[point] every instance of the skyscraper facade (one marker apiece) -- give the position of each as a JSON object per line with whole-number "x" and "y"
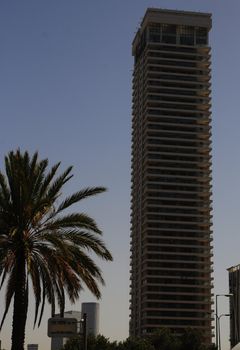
{"x": 234, "y": 290}
{"x": 171, "y": 174}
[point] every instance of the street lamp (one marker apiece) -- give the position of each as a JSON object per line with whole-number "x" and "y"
{"x": 84, "y": 330}
{"x": 216, "y": 303}
{"x": 219, "y": 330}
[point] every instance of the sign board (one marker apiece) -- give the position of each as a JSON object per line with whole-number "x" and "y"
{"x": 62, "y": 327}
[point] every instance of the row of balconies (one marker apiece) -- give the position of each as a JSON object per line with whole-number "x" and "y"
{"x": 177, "y": 241}
{"x": 175, "y": 179}
{"x": 157, "y": 80}
{"x": 151, "y": 100}
{"x": 150, "y": 106}
{"x": 163, "y": 289}
{"x": 179, "y": 52}
{"x": 166, "y": 221}
{"x": 179, "y": 232}
{"x": 181, "y": 191}
{"x": 183, "y": 89}
{"x": 176, "y": 169}
{"x": 165, "y": 201}
{"x": 158, "y": 95}
{"x": 194, "y": 268}
{"x": 171, "y": 123}
{"x": 175, "y": 322}
{"x": 156, "y": 87}
{"x": 177, "y": 249}
{"x": 168, "y": 224}
{"x": 154, "y": 152}
{"x": 173, "y": 163}
{"x": 158, "y": 162}
{"x": 180, "y": 113}
{"x": 158, "y": 108}
{"x": 178, "y": 58}
{"x": 178, "y": 73}
{"x": 171, "y": 61}
{"x": 168, "y": 258}
{"x": 187, "y": 309}
{"x": 171, "y": 147}
{"x": 205, "y": 236}
{"x": 140, "y": 174}
{"x": 200, "y": 302}
{"x": 175, "y": 209}
{"x": 182, "y": 73}
{"x": 171, "y": 52}
{"x": 179, "y": 195}
{"x": 179, "y": 288}
{"x": 190, "y": 101}
{"x": 174, "y": 80}
{"x": 160, "y": 130}
{"x": 159, "y": 169}
{"x": 167, "y": 145}
{"x": 171, "y": 109}
{"x": 179, "y": 273}
{"x": 188, "y": 201}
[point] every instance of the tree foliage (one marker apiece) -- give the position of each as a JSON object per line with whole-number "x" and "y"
{"x": 41, "y": 242}
{"x": 162, "y": 339}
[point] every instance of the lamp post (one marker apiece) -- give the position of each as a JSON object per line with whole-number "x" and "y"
{"x": 84, "y": 325}
{"x": 217, "y": 320}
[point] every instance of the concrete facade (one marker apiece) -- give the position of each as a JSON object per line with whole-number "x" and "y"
{"x": 171, "y": 250}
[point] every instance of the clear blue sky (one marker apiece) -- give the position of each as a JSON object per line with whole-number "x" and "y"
{"x": 65, "y": 90}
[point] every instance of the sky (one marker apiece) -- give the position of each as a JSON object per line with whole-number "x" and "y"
{"x": 65, "y": 90}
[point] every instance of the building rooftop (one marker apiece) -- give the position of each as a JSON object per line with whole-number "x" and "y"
{"x": 234, "y": 268}
{"x": 177, "y": 17}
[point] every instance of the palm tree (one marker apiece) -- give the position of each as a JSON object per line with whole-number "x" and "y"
{"x": 41, "y": 244}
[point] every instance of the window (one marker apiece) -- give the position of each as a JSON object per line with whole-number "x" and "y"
{"x": 186, "y": 35}
{"x": 155, "y": 33}
{"x": 169, "y": 33}
{"x": 201, "y": 36}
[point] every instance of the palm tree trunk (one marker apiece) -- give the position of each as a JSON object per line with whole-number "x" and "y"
{"x": 20, "y": 307}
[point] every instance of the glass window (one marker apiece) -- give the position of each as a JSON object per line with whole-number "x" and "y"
{"x": 186, "y": 35}
{"x": 201, "y": 36}
{"x": 169, "y": 33}
{"x": 155, "y": 33}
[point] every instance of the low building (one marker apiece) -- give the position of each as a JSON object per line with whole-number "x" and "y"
{"x": 58, "y": 342}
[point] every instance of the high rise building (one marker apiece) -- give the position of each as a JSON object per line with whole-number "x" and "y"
{"x": 92, "y": 312}
{"x": 234, "y": 290}
{"x": 171, "y": 174}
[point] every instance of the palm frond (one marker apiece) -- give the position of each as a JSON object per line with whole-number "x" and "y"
{"x": 78, "y": 196}
{"x": 9, "y": 294}
{"x": 54, "y": 189}
{"x": 79, "y": 220}
{"x": 87, "y": 241}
